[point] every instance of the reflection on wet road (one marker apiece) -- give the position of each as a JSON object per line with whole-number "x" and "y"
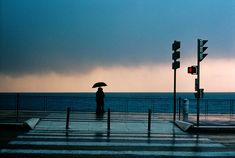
{"x": 126, "y": 138}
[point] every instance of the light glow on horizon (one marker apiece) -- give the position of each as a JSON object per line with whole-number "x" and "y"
{"x": 216, "y": 76}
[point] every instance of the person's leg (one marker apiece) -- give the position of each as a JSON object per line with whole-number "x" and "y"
{"x": 97, "y": 109}
{"x": 102, "y": 108}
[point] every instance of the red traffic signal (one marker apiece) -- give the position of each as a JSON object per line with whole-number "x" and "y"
{"x": 192, "y": 70}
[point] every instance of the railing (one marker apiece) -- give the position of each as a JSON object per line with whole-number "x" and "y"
{"x": 162, "y": 108}
{"x": 212, "y": 111}
{"x": 83, "y": 104}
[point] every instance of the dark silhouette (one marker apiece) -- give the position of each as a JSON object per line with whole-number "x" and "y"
{"x": 99, "y": 101}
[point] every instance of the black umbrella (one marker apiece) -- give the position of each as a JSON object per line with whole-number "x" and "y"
{"x": 99, "y": 84}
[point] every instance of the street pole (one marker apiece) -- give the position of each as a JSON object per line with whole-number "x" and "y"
{"x": 175, "y": 65}
{"x": 174, "y": 116}
{"x": 198, "y": 81}
{"x": 195, "y": 70}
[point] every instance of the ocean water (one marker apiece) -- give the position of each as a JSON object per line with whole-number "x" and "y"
{"x": 213, "y": 103}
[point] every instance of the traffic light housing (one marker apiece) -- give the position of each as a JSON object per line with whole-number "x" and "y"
{"x": 201, "y": 49}
{"x": 175, "y": 55}
{"x": 176, "y": 45}
{"x": 192, "y": 70}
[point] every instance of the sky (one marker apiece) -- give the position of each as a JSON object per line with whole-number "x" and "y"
{"x": 68, "y": 45}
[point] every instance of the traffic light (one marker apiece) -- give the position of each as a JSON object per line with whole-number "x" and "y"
{"x": 176, "y": 45}
{"x": 175, "y": 54}
{"x": 201, "y": 49}
{"x": 192, "y": 70}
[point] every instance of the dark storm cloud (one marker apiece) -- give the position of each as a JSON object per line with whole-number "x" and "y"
{"x": 39, "y": 36}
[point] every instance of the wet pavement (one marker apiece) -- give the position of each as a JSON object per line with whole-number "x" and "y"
{"x": 128, "y": 136}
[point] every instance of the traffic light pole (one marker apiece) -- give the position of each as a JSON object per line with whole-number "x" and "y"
{"x": 175, "y": 65}
{"x": 174, "y": 116}
{"x": 198, "y": 81}
{"x": 195, "y": 70}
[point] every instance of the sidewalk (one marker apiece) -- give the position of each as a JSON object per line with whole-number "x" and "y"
{"x": 126, "y": 122}
{"x": 120, "y": 122}
{"x": 98, "y": 126}
{"x": 88, "y": 136}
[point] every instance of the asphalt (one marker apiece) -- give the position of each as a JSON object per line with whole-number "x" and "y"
{"x": 128, "y": 136}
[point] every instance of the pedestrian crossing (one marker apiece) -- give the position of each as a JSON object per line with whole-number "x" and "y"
{"x": 73, "y": 143}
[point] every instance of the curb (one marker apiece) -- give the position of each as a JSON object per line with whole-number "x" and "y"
{"x": 27, "y": 125}
{"x": 184, "y": 126}
{"x": 189, "y": 127}
{"x": 31, "y": 123}
{"x": 214, "y": 129}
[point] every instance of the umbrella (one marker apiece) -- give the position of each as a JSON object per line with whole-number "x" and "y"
{"x": 99, "y": 84}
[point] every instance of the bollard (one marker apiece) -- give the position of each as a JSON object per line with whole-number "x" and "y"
{"x": 67, "y": 119}
{"x": 108, "y": 121}
{"x": 149, "y": 120}
{"x": 185, "y": 109}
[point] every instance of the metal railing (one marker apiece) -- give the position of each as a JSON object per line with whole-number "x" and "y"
{"x": 83, "y": 104}
{"x": 220, "y": 110}
{"x": 212, "y": 111}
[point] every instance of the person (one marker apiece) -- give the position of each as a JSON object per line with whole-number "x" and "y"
{"x": 99, "y": 101}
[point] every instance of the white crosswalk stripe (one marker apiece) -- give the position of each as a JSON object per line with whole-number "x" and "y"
{"x": 48, "y": 143}
{"x": 44, "y": 141}
{"x": 74, "y": 137}
{"x": 124, "y": 153}
{"x": 116, "y": 144}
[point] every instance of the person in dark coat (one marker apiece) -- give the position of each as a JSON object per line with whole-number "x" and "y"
{"x": 99, "y": 101}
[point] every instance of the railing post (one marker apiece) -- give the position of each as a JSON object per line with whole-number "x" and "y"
{"x": 17, "y": 105}
{"x": 45, "y": 103}
{"x": 108, "y": 121}
{"x": 206, "y": 109}
{"x": 231, "y": 109}
{"x": 149, "y": 120}
{"x": 67, "y": 118}
{"x": 126, "y": 112}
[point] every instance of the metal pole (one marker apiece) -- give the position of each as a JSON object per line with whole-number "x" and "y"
{"x": 174, "y": 95}
{"x": 67, "y": 119}
{"x": 198, "y": 80}
{"x": 149, "y": 120}
{"x": 108, "y": 121}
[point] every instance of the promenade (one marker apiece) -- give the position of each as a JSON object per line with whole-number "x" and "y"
{"x": 128, "y": 136}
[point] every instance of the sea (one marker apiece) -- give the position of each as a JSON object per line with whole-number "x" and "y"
{"x": 213, "y": 103}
